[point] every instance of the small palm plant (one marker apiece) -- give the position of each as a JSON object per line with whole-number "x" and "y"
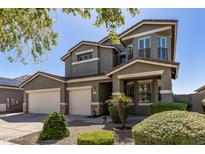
{"x": 121, "y": 102}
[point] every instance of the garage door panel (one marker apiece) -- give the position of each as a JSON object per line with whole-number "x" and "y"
{"x": 80, "y": 102}
{"x": 44, "y": 102}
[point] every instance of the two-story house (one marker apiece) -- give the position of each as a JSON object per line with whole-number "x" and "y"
{"x": 142, "y": 67}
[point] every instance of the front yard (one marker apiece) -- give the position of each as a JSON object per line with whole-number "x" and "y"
{"x": 78, "y": 126}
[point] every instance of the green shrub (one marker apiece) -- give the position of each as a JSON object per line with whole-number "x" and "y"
{"x": 171, "y": 127}
{"x": 55, "y": 127}
{"x": 167, "y": 106}
{"x": 96, "y": 138}
{"x": 114, "y": 113}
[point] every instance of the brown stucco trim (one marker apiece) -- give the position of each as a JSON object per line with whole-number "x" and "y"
{"x": 48, "y": 75}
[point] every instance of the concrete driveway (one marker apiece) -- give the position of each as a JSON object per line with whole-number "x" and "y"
{"x": 19, "y": 124}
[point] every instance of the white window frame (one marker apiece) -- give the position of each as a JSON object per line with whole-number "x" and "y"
{"x": 166, "y": 42}
{"x": 166, "y": 47}
{"x": 85, "y": 54}
{"x": 144, "y": 38}
{"x": 145, "y": 85}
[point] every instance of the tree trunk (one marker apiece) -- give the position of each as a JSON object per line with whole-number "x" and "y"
{"x": 121, "y": 114}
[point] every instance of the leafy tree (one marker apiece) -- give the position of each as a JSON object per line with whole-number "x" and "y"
{"x": 25, "y": 32}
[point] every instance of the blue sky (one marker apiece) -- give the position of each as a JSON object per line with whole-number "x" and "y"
{"x": 71, "y": 30}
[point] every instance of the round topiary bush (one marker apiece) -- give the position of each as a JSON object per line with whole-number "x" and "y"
{"x": 171, "y": 127}
{"x": 96, "y": 138}
{"x": 55, "y": 127}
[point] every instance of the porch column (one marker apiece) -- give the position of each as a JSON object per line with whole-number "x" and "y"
{"x": 63, "y": 100}
{"x": 25, "y": 102}
{"x": 155, "y": 91}
{"x": 166, "y": 86}
{"x": 118, "y": 85}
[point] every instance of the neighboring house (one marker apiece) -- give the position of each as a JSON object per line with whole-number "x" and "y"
{"x": 11, "y": 96}
{"x": 142, "y": 67}
{"x": 200, "y": 90}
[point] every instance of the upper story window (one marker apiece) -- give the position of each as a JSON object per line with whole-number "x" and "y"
{"x": 122, "y": 58}
{"x": 130, "y": 51}
{"x": 85, "y": 56}
{"x": 144, "y": 45}
{"x": 162, "y": 48}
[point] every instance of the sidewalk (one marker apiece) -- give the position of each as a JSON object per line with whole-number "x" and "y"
{"x": 6, "y": 143}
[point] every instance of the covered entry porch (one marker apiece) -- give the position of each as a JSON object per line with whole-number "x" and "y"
{"x": 144, "y": 88}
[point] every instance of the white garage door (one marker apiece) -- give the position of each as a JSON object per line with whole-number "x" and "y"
{"x": 44, "y": 101}
{"x": 80, "y": 101}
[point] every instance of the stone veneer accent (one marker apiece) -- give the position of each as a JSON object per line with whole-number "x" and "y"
{"x": 97, "y": 108}
{"x": 64, "y": 108}
{"x": 25, "y": 108}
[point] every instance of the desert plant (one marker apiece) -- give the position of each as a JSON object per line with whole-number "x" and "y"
{"x": 121, "y": 102}
{"x": 55, "y": 127}
{"x": 114, "y": 113}
{"x": 171, "y": 127}
{"x": 167, "y": 106}
{"x": 101, "y": 137}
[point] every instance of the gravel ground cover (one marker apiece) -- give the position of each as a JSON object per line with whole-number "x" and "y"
{"x": 76, "y": 127}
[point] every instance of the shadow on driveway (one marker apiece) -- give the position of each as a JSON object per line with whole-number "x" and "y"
{"x": 19, "y": 118}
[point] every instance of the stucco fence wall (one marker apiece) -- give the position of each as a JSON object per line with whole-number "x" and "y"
{"x": 193, "y": 99}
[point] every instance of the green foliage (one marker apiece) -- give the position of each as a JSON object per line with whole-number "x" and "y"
{"x": 27, "y": 34}
{"x": 55, "y": 127}
{"x": 27, "y": 30}
{"x": 114, "y": 113}
{"x": 171, "y": 127}
{"x": 96, "y": 138}
{"x": 167, "y": 106}
{"x": 119, "y": 104}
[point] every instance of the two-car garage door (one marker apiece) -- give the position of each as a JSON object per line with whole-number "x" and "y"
{"x": 45, "y": 101}
{"x": 48, "y": 101}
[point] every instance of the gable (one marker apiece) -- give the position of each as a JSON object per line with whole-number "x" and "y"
{"x": 140, "y": 67}
{"x": 143, "y": 28}
{"x": 42, "y": 82}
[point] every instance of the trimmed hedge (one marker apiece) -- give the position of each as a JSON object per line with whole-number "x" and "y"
{"x": 167, "y": 106}
{"x": 55, "y": 127}
{"x": 101, "y": 137}
{"x": 114, "y": 113}
{"x": 171, "y": 127}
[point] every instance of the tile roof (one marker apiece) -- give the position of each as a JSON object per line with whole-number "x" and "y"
{"x": 9, "y": 82}
{"x": 15, "y": 82}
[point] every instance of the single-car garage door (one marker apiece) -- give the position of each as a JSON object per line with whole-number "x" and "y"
{"x": 45, "y": 101}
{"x": 80, "y": 101}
